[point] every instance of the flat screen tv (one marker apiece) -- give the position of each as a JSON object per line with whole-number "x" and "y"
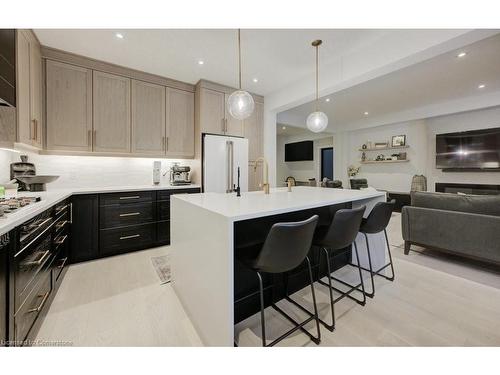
{"x": 477, "y": 150}
{"x": 299, "y": 151}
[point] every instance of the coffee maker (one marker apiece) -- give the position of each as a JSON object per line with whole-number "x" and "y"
{"x": 179, "y": 174}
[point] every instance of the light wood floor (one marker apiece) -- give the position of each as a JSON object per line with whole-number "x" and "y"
{"x": 434, "y": 301}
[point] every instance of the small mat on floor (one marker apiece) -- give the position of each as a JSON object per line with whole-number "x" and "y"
{"x": 162, "y": 266}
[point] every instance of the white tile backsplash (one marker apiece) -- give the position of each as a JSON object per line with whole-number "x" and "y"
{"x": 91, "y": 171}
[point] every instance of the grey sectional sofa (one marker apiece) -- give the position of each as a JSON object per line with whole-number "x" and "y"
{"x": 467, "y": 225}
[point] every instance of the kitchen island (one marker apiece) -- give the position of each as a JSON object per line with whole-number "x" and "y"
{"x": 209, "y": 229}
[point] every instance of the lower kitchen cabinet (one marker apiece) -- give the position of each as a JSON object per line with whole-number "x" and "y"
{"x": 124, "y": 239}
{"x": 85, "y": 228}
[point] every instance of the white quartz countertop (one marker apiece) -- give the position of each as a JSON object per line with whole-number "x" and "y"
{"x": 54, "y": 196}
{"x": 256, "y": 204}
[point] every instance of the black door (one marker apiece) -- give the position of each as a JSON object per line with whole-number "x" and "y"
{"x": 327, "y": 163}
{"x": 85, "y": 228}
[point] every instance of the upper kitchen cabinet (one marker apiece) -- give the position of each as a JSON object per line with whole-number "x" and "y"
{"x": 111, "y": 113}
{"x": 180, "y": 123}
{"x": 29, "y": 86}
{"x": 69, "y": 107}
{"x": 212, "y": 112}
{"x": 148, "y": 118}
{"x": 253, "y": 129}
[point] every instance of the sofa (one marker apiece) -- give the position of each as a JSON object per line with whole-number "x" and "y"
{"x": 467, "y": 225}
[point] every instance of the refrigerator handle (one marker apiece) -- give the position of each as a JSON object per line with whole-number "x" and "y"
{"x": 230, "y": 162}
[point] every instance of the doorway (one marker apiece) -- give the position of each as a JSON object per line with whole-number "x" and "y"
{"x": 327, "y": 163}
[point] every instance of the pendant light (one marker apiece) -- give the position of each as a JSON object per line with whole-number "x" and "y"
{"x": 317, "y": 121}
{"x": 240, "y": 102}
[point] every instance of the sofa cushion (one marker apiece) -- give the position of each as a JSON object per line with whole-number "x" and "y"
{"x": 477, "y": 204}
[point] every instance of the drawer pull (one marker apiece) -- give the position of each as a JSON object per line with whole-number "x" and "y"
{"x": 40, "y": 306}
{"x": 42, "y": 259}
{"x": 130, "y": 197}
{"x": 130, "y": 237}
{"x": 130, "y": 214}
{"x": 61, "y": 224}
{"x": 60, "y": 240}
{"x": 63, "y": 263}
{"x": 61, "y": 209}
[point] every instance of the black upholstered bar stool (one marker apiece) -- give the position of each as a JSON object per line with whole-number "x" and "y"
{"x": 334, "y": 240}
{"x": 285, "y": 248}
{"x": 376, "y": 222}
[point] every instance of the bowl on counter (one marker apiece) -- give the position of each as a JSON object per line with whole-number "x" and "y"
{"x": 36, "y": 183}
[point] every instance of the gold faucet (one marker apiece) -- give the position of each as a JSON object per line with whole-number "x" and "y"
{"x": 265, "y": 174}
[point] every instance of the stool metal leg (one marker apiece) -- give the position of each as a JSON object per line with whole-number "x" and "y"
{"x": 330, "y": 327}
{"x": 370, "y": 265}
{"x": 262, "y": 316}
{"x": 360, "y": 273}
{"x": 316, "y": 315}
{"x": 390, "y": 257}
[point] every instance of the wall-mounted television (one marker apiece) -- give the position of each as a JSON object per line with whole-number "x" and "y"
{"x": 299, "y": 151}
{"x": 476, "y": 150}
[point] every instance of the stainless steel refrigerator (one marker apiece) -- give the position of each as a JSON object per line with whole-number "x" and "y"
{"x": 222, "y": 156}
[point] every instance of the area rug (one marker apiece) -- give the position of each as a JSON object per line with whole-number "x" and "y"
{"x": 162, "y": 266}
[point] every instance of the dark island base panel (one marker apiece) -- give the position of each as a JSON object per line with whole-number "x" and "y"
{"x": 249, "y": 235}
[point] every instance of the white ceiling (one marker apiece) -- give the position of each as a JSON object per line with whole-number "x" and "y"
{"x": 441, "y": 79}
{"x": 276, "y": 57}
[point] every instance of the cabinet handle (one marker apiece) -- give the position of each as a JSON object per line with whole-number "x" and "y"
{"x": 63, "y": 263}
{"x": 89, "y": 138}
{"x": 40, "y": 306}
{"x": 94, "y": 136}
{"x": 35, "y": 131}
{"x": 61, "y": 224}
{"x": 129, "y": 237}
{"x": 163, "y": 143}
{"x": 71, "y": 213}
{"x": 130, "y": 197}
{"x": 61, "y": 209}
{"x": 39, "y": 261}
{"x": 166, "y": 143}
{"x": 223, "y": 125}
{"x": 60, "y": 240}
{"x": 130, "y": 214}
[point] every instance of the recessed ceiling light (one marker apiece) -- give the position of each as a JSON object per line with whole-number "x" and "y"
{"x": 201, "y": 62}
{"x": 481, "y": 86}
{"x": 462, "y": 54}
{"x": 284, "y": 128}
{"x": 255, "y": 80}
{"x": 119, "y": 36}
{"x": 366, "y": 113}
{"x": 327, "y": 99}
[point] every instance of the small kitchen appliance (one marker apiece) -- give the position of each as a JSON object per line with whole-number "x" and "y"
{"x": 179, "y": 174}
{"x": 25, "y": 173}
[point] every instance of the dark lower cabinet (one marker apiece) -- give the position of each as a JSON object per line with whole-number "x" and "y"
{"x": 122, "y": 240}
{"x": 85, "y": 228}
{"x": 163, "y": 232}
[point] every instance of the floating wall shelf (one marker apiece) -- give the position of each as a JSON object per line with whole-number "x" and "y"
{"x": 383, "y": 148}
{"x": 384, "y": 161}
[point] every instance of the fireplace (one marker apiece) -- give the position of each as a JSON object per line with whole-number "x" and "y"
{"x": 477, "y": 189}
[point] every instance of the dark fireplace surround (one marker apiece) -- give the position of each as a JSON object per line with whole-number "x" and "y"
{"x": 477, "y": 189}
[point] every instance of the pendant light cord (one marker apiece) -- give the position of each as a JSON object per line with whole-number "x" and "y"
{"x": 239, "y": 55}
{"x": 317, "y": 78}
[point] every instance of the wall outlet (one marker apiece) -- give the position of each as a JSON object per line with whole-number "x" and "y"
{"x": 156, "y": 172}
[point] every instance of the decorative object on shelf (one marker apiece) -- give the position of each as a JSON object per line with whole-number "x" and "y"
{"x": 398, "y": 141}
{"x": 369, "y": 144}
{"x": 380, "y": 144}
{"x": 352, "y": 171}
{"x": 402, "y": 156}
{"x": 363, "y": 156}
{"x": 364, "y": 147}
{"x": 317, "y": 121}
{"x": 240, "y": 102}
{"x": 419, "y": 183}
{"x": 380, "y": 157}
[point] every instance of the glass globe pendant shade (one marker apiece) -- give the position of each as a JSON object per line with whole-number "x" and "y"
{"x": 240, "y": 104}
{"x": 317, "y": 122}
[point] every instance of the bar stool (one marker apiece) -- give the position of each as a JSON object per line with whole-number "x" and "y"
{"x": 376, "y": 222}
{"x": 285, "y": 248}
{"x": 337, "y": 239}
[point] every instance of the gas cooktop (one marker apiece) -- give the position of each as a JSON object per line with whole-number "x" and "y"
{"x": 9, "y": 205}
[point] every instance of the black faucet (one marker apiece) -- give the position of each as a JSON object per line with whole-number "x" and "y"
{"x": 238, "y": 189}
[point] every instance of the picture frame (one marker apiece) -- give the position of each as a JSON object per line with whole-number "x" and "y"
{"x": 398, "y": 140}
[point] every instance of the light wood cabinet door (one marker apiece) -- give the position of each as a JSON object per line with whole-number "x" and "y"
{"x": 36, "y": 93}
{"x": 233, "y": 126}
{"x": 180, "y": 123}
{"x": 148, "y": 118}
{"x": 24, "y": 124}
{"x": 212, "y": 111}
{"x": 253, "y": 129}
{"x": 69, "y": 107}
{"x": 111, "y": 114}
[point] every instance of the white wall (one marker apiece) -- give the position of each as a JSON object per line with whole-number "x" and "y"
{"x": 300, "y": 170}
{"x": 421, "y": 136}
{"x": 88, "y": 171}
